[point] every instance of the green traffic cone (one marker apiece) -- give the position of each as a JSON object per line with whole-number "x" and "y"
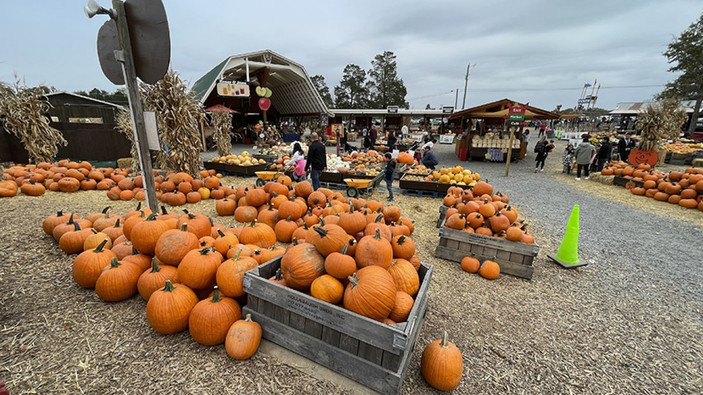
{"x": 568, "y": 254}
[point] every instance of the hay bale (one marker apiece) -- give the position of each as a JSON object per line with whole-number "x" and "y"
{"x": 125, "y": 163}
{"x": 598, "y": 177}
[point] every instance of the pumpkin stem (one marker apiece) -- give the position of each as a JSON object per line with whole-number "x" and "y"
{"x": 154, "y": 266}
{"x": 236, "y": 255}
{"x": 191, "y": 216}
{"x": 216, "y": 294}
{"x": 352, "y": 241}
{"x": 95, "y": 232}
{"x": 322, "y": 221}
{"x": 114, "y": 263}
{"x": 379, "y": 218}
{"x": 253, "y": 223}
{"x": 211, "y": 223}
{"x": 70, "y": 220}
{"x": 219, "y": 232}
{"x": 76, "y": 227}
{"x": 288, "y": 219}
{"x": 378, "y": 234}
{"x": 295, "y": 241}
{"x": 151, "y": 217}
{"x": 117, "y": 223}
{"x": 134, "y": 251}
{"x": 168, "y": 287}
{"x": 184, "y": 227}
{"x": 100, "y": 246}
{"x": 401, "y": 240}
{"x": 59, "y": 213}
{"x": 279, "y": 274}
{"x": 248, "y": 319}
{"x": 353, "y": 280}
{"x": 163, "y": 209}
{"x": 139, "y": 206}
{"x": 445, "y": 339}
{"x": 105, "y": 210}
{"x": 320, "y": 231}
{"x": 204, "y": 251}
{"x": 344, "y": 249}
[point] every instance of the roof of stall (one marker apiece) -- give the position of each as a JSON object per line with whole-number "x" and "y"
{"x": 499, "y": 109}
{"x": 293, "y": 91}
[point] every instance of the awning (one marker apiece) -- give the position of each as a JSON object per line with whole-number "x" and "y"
{"x": 499, "y": 109}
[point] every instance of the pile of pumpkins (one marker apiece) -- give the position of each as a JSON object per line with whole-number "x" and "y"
{"x": 351, "y": 252}
{"x": 682, "y": 188}
{"x": 173, "y": 188}
{"x": 480, "y": 211}
{"x": 62, "y": 176}
{"x": 172, "y": 261}
{"x": 454, "y": 175}
{"x": 244, "y": 159}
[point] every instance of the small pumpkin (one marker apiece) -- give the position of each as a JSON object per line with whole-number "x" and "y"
{"x": 230, "y": 274}
{"x": 88, "y": 266}
{"x": 198, "y": 268}
{"x": 403, "y": 247}
{"x": 154, "y": 279}
{"x": 243, "y": 339}
{"x": 340, "y": 265}
{"x": 370, "y": 292}
{"x": 118, "y": 281}
{"x": 470, "y": 264}
{"x": 374, "y": 250}
{"x": 402, "y": 307}
{"x": 441, "y": 364}
{"x": 327, "y": 288}
{"x": 168, "y": 308}
{"x": 210, "y": 319}
{"x": 489, "y": 270}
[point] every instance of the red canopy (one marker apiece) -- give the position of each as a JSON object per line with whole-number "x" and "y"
{"x": 221, "y": 108}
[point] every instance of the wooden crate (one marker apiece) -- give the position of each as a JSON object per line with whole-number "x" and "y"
{"x": 333, "y": 177}
{"x": 234, "y": 169}
{"x": 622, "y": 181}
{"x": 417, "y": 185}
{"x": 367, "y": 351}
{"x": 514, "y": 258}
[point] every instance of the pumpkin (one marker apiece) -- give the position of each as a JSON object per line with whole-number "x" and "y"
{"x": 255, "y": 197}
{"x": 456, "y": 221}
{"x": 95, "y": 239}
{"x": 32, "y": 188}
{"x": 489, "y": 270}
{"x": 370, "y": 292}
{"x": 198, "y": 268}
{"x": 210, "y": 319}
{"x": 352, "y": 221}
{"x": 72, "y": 242}
{"x": 118, "y": 281}
{"x": 131, "y": 222}
{"x": 301, "y": 265}
{"x": 513, "y": 234}
{"x": 52, "y": 221}
{"x": 402, "y": 307}
{"x": 403, "y": 247}
{"x": 243, "y": 338}
{"x": 278, "y": 278}
{"x": 290, "y": 208}
{"x": 391, "y": 214}
{"x": 230, "y": 274}
{"x": 198, "y": 224}
{"x": 168, "y": 308}
{"x": 153, "y": 280}
{"x": 407, "y": 222}
{"x": 145, "y": 234}
{"x": 245, "y": 213}
{"x": 441, "y": 364}
{"x": 225, "y": 206}
{"x": 270, "y": 253}
{"x": 88, "y": 266}
{"x": 327, "y": 288}
{"x": 8, "y": 188}
{"x": 499, "y": 222}
{"x": 374, "y": 250}
{"x": 269, "y": 216}
{"x": 370, "y": 229}
{"x": 327, "y": 239}
{"x": 284, "y": 230}
{"x": 303, "y": 189}
{"x": 482, "y": 188}
{"x": 258, "y": 234}
{"x": 405, "y": 276}
{"x": 317, "y": 198}
{"x": 340, "y": 265}
{"x": 471, "y": 265}
{"x": 174, "y": 244}
{"x": 61, "y": 229}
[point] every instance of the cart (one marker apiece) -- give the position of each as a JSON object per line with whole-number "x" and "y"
{"x": 358, "y": 186}
{"x": 264, "y": 176}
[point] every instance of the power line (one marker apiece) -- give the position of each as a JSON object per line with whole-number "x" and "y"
{"x": 538, "y": 90}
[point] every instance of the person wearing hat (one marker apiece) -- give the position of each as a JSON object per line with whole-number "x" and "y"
{"x": 429, "y": 159}
{"x": 584, "y": 153}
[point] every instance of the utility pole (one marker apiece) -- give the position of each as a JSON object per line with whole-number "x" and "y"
{"x": 466, "y": 83}
{"x": 456, "y": 97}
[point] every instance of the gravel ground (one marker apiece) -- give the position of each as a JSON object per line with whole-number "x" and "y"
{"x": 629, "y": 322}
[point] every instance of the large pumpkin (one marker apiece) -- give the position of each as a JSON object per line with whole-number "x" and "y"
{"x": 442, "y": 364}
{"x": 211, "y": 318}
{"x": 174, "y": 244}
{"x": 198, "y": 267}
{"x": 88, "y": 266}
{"x": 405, "y": 276}
{"x": 118, "y": 281}
{"x": 152, "y": 280}
{"x": 145, "y": 234}
{"x": 301, "y": 265}
{"x": 371, "y": 292}
{"x": 168, "y": 309}
{"x": 230, "y": 274}
{"x": 327, "y": 239}
{"x": 374, "y": 250}
{"x": 258, "y": 234}
{"x": 340, "y": 265}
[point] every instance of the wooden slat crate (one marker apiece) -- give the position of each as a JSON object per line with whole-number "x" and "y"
{"x": 622, "y": 181}
{"x": 367, "y": 351}
{"x": 235, "y": 169}
{"x": 514, "y": 258}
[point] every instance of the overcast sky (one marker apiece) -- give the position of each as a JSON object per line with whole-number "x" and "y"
{"x": 541, "y": 51}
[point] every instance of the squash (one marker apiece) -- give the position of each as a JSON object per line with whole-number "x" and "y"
{"x": 441, "y": 364}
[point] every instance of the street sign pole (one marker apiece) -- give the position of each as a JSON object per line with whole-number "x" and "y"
{"x": 515, "y": 114}
{"x": 124, "y": 57}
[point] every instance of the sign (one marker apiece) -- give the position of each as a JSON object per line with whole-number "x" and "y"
{"x": 152, "y": 133}
{"x": 638, "y": 156}
{"x": 447, "y": 110}
{"x": 233, "y": 89}
{"x": 446, "y": 138}
{"x": 516, "y": 113}
{"x": 324, "y": 119}
{"x": 393, "y": 109}
{"x": 338, "y": 129}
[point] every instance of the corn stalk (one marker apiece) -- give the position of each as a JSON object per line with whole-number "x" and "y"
{"x": 222, "y": 122}
{"x": 124, "y": 125}
{"x": 660, "y": 121}
{"x": 178, "y": 114}
{"x": 23, "y": 112}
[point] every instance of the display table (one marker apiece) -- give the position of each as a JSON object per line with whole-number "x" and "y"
{"x": 291, "y": 137}
{"x": 446, "y": 139}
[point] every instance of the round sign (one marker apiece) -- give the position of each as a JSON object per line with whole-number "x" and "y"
{"x": 264, "y": 103}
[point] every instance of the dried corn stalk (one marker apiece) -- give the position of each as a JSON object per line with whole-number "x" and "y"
{"x": 178, "y": 114}
{"x": 222, "y": 122}
{"x": 660, "y": 121}
{"x": 124, "y": 125}
{"x": 23, "y": 113}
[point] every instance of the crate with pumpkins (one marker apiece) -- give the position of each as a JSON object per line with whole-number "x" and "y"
{"x": 482, "y": 225}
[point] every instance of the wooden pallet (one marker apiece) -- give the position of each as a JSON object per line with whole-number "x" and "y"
{"x": 411, "y": 192}
{"x": 514, "y": 258}
{"x": 367, "y": 351}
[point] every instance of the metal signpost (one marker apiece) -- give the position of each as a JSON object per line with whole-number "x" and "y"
{"x": 515, "y": 114}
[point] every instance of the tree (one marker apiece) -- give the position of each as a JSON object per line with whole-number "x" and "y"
{"x": 386, "y": 88}
{"x": 352, "y": 91}
{"x": 322, "y": 89}
{"x": 686, "y": 56}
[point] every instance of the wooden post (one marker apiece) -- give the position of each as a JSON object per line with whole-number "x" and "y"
{"x": 202, "y": 133}
{"x": 124, "y": 56}
{"x": 510, "y": 147}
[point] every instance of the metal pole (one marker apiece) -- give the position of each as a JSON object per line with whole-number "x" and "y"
{"x": 125, "y": 58}
{"x": 510, "y": 149}
{"x": 456, "y": 97}
{"x": 466, "y": 83}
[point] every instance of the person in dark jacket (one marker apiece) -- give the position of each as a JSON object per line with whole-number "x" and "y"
{"x": 391, "y": 140}
{"x": 389, "y": 175}
{"x": 542, "y": 148}
{"x": 625, "y": 145}
{"x": 317, "y": 160}
{"x": 604, "y": 153}
{"x": 373, "y": 135}
{"x": 429, "y": 159}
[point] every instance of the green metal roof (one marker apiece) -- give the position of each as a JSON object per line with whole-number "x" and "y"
{"x": 201, "y": 86}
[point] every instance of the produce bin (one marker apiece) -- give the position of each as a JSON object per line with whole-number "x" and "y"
{"x": 514, "y": 258}
{"x": 333, "y": 177}
{"x": 404, "y": 183}
{"x": 235, "y": 169}
{"x": 367, "y": 351}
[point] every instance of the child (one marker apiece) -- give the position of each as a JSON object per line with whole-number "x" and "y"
{"x": 389, "y": 175}
{"x": 568, "y": 159}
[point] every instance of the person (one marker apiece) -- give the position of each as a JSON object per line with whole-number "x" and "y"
{"x": 584, "y": 152}
{"x": 391, "y": 140}
{"x": 373, "y": 134}
{"x": 298, "y": 162}
{"x": 430, "y": 143}
{"x": 316, "y": 161}
{"x": 389, "y": 174}
{"x": 603, "y": 154}
{"x": 367, "y": 142}
{"x": 542, "y": 129}
{"x": 567, "y": 158}
{"x": 429, "y": 159}
{"x": 625, "y": 146}
{"x": 542, "y": 148}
